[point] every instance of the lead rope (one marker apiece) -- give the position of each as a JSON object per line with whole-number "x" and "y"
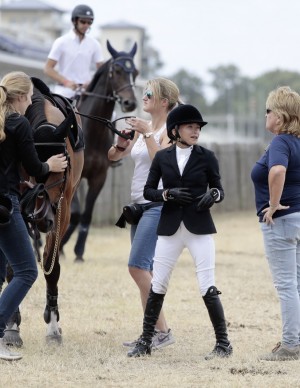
{"x": 56, "y": 239}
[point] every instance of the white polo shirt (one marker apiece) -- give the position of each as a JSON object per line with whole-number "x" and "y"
{"x": 75, "y": 59}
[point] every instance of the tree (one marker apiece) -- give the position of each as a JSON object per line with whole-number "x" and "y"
{"x": 191, "y": 88}
{"x": 151, "y": 61}
{"x": 225, "y": 80}
{"x": 271, "y": 80}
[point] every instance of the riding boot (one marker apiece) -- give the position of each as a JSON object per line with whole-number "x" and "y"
{"x": 152, "y": 311}
{"x": 216, "y": 314}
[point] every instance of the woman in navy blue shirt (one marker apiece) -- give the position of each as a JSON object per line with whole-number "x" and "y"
{"x": 276, "y": 178}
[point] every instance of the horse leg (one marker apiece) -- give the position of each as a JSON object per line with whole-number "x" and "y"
{"x": 74, "y": 221}
{"x": 12, "y": 332}
{"x": 86, "y": 218}
{"x": 51, "y": 313}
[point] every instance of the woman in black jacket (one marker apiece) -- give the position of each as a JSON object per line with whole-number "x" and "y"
{"x": 191, "y": 185}
{"x": 16, "y": 148}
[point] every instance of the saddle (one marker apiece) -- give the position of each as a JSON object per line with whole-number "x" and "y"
{"x": 28, "y": 202}
{"x": 49, "y": 133}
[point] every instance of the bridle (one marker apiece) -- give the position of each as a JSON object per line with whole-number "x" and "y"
{"x": 127, "y": 64}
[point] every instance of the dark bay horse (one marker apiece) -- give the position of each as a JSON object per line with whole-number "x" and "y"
{"x": 53, "y": 122}
{"x": 114, "y": 81}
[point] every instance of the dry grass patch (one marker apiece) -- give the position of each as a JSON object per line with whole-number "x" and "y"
{"x": 100, "y": 308}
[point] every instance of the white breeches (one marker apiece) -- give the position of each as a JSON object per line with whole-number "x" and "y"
{"x": 168, "y": 250}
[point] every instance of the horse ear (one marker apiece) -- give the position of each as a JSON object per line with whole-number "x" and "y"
{"x": 133, "y": 50}
{"x": 112, "y": 51}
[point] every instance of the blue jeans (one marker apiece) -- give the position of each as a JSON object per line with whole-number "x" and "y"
{"x": 143, "y": 240}
{"x": 3, "y": 264}
{"x": 282, "y": 247}
{"x": 16, "y": 248}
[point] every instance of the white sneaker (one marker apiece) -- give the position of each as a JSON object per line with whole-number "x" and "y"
{"x": 6, "y": 354}
{"x": 161, "y": 339}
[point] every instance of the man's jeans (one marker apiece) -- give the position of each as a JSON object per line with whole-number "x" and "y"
{"x": 282, "y": 247}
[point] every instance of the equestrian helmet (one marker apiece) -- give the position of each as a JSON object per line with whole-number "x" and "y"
{"x": 183, "y": 114}
{"x": 82, "y": 11}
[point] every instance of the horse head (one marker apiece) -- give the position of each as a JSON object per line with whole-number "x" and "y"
{"x": 122, "y": 75}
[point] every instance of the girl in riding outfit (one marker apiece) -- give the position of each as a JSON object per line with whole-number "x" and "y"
{"x": 191, "y": 185}
{"x": 160, "y": 96}
{"x": 74, "y": 54}
{"x": 16, "y": 148}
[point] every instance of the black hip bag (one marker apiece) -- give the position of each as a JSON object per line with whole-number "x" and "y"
{"x": 133, "y": 212}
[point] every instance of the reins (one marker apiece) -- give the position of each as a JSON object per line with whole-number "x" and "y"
{"x": 110, "y": 124}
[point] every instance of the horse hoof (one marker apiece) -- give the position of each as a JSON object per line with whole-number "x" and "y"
{"x": 54, "y": 339}
{"x": 78, "y": 259}
{"x": 12, "y": 337}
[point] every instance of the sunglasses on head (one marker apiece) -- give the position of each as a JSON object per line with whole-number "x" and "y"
{"x": 268, "y": 111}
{"x": 148, "y": 93}
{"x": 89, "y": 22}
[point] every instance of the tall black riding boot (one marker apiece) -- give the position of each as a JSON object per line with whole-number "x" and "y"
{"x": 216, "y": 314}
{"x": 152, "y": 311}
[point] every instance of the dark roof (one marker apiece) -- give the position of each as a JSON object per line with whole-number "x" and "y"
{"x": 29, "y": 5}
{"x": 24, "y": 49}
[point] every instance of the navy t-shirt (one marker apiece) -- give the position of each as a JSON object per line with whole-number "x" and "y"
{"x": 283, "y": 150}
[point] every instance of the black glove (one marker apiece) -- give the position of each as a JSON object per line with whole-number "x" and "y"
{"x": 208, "y": 199}
{"x": 182, "y": 196}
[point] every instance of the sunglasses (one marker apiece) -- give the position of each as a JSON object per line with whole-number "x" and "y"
{"x": 268, "y": 111}
{"x": 148, "y": 93}
{"x": 89, "y": 22}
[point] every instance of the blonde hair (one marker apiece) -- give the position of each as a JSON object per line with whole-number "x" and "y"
{"x": 285, "y": 103}
{"x": 164, "y": 88}
{"x": 12, "y": 86}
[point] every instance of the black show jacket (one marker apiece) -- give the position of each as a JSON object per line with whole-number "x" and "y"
{"x": 200, "y": 173}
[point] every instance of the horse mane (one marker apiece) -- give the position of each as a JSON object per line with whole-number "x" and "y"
{"x": 35, "y": 113}
{"x": 100, "y": 71}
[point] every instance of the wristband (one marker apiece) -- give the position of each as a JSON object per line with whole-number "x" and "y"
{"x": 147, "y": 135}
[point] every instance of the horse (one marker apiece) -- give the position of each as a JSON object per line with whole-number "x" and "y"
{"x": 56, "y": 129}
{"x": 113, "y": 82}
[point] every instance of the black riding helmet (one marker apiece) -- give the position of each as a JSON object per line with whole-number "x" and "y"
{"x": 183, "y": 114}
{"x": 82, "y": 11}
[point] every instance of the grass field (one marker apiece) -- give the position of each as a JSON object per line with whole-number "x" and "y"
{"x": 100, "y": 308}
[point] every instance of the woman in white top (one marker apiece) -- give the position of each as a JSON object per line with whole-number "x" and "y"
{"x": 160, "y": 97}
